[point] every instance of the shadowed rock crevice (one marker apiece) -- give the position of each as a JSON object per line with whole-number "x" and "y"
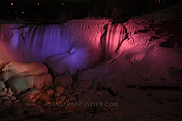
{"x": 173, "y": 28}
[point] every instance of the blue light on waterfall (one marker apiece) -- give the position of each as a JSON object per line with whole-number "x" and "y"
{"x": 39, "y": 41}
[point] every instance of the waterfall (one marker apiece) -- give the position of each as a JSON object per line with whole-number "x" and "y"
{"x": 36, "y": 42}
{"x": 116, "y": 33}
{"x": 16, "y": 41}
{"x": 46, "y": 40}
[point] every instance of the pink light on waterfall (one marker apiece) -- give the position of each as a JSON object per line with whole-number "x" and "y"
{"x": 114, "y": 38}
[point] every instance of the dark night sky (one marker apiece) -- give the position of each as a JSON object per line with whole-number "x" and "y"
{"x": 77, "y": 9}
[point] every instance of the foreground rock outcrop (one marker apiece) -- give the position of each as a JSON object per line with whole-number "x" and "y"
{"x": 23, "y": 69}
{"x": 21, "y": 76}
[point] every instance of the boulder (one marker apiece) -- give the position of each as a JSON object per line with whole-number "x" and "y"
{"x": 59, "y": 90}
{"x": 13, "y": 98}
{"x": 61, "y": 98}
{"x": 50, "y": 92}
{"x": 27, "y": 99}
{"x": 68, "y": 91}
{"x": 69, "y": 63}
{"x": 42, "y": 80}
{"x": 34, "y": 91}
{"x": 35, "y": 94}
{"x": 6, "y": 75}
{"x": 5, "y": 89}
{"x": 14, "y": 68}
{"x": 64, "y": 80}
{"x": 30, "y": 68}
{"x": 9, "y": 92}
{"x": 2, "y": 93}
{"x": 2, "y": 85}
{"x": 20, "y": 83}
{"x": 84, "y": 80}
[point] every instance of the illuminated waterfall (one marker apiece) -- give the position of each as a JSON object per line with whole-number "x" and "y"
{"x": 116, "y": 33}
{"x": 36, "y": 42}
{"x": 47, "y": 40}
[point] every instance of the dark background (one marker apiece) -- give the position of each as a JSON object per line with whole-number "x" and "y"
{"x": 78, "y": 9}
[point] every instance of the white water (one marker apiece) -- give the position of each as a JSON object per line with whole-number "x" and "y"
{"x": 46, "y": 40}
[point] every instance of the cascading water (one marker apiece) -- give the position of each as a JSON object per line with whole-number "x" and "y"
{"x": 36, "y": 42}
{"x": 46, "y": 40}
{"x": 116, "y": 33}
